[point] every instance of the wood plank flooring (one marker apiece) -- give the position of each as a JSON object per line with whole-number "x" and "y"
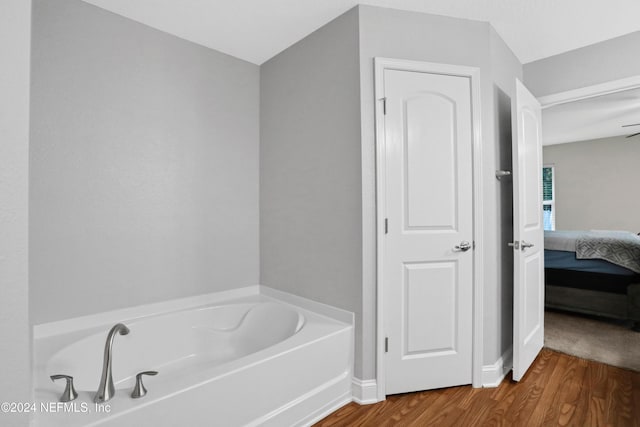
{"x": 558, "y": 390}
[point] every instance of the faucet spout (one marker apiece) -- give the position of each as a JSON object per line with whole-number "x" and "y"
{"x": 106, "y": 389}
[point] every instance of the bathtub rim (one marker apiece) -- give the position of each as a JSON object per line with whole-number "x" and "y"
{"x": 82, "y": 324}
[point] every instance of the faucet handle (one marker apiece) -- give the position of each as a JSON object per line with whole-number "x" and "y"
{"x": 139, "y": 390}
{"x": 69, "y": 392}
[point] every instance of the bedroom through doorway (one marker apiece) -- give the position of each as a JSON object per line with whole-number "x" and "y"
{"x": 592, "y": 248}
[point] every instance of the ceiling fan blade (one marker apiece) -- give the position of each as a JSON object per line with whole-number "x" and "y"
{"x": 635, "y": 124}
{"x": 633, "y": 134}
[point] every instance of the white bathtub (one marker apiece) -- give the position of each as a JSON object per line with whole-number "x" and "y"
{"x": 249, "y": 361}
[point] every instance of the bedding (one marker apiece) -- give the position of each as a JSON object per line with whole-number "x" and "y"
{"x": 601, "y": 251}
{"x": 617, "y": 247}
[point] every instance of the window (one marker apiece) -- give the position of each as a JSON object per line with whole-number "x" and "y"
{"x": 548, "y": 198}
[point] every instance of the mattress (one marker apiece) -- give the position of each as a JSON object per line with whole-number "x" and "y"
{"x": 565, "y": 260}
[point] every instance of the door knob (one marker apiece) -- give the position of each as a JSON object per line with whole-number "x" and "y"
{"x": 514, "y": 245}
{"x": 462, "y": 247}
{"x": 526, "y": 245}
{"x": 520, "y": 245}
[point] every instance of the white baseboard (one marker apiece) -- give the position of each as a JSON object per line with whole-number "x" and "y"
{"x": 492, "y": 375}
{"x": 365, "y": 392}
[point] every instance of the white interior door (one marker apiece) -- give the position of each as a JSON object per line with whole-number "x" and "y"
{"x": 428, "y": 245}
{"x": 528, "y": 232}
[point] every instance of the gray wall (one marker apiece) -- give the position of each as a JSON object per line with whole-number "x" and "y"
{"x": 599, "y": 63}
{"x": 310, "y": 192}
{"x": 15, "y": 335}
{"x": 596, "y": 184}
{"x": 144, "y": 165}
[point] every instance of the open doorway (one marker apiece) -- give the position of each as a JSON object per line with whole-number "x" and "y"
{"x": 592, "y": 250}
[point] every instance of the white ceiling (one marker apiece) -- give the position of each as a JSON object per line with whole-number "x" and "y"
{"x": 592, "y": 118}
{"x": 256, "y": 30}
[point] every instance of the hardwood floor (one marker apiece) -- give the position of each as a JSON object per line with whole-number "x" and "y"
{"x": 558, "y": 390}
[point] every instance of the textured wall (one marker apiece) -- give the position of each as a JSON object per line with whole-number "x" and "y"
{"x": 599, "y": 63}
{"x": 144, "y": 165}
{"x": 310, "y": 193}
{"x": 15, "y": 334}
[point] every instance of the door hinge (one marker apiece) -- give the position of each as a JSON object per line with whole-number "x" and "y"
{"x": 384, "y": 105}
{"x": 386, "y": 226}
{"x": 386, "y": 344}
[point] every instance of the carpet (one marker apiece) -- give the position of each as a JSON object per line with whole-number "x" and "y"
{"x": 603, "y": 340}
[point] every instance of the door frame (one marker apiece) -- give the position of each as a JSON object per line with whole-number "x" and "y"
{"x": 587, "y": 92}
{"x": 473, "y": 73}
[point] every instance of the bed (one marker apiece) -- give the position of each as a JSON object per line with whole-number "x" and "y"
{"x": 594, "y": 272}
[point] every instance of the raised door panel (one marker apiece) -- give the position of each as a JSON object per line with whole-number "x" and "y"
{"x": 430, "y": 163}
{"x": 531, "y": 172}
{"x": 431, "y": 307}
{"x": 532, "y": 278}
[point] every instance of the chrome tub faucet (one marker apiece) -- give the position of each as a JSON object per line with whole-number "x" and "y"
{"x": 106, "y": 389}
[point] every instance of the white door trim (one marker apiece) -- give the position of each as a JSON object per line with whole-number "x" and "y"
{"x": 586, "y": 92}
{"x": 381, "y": 64}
